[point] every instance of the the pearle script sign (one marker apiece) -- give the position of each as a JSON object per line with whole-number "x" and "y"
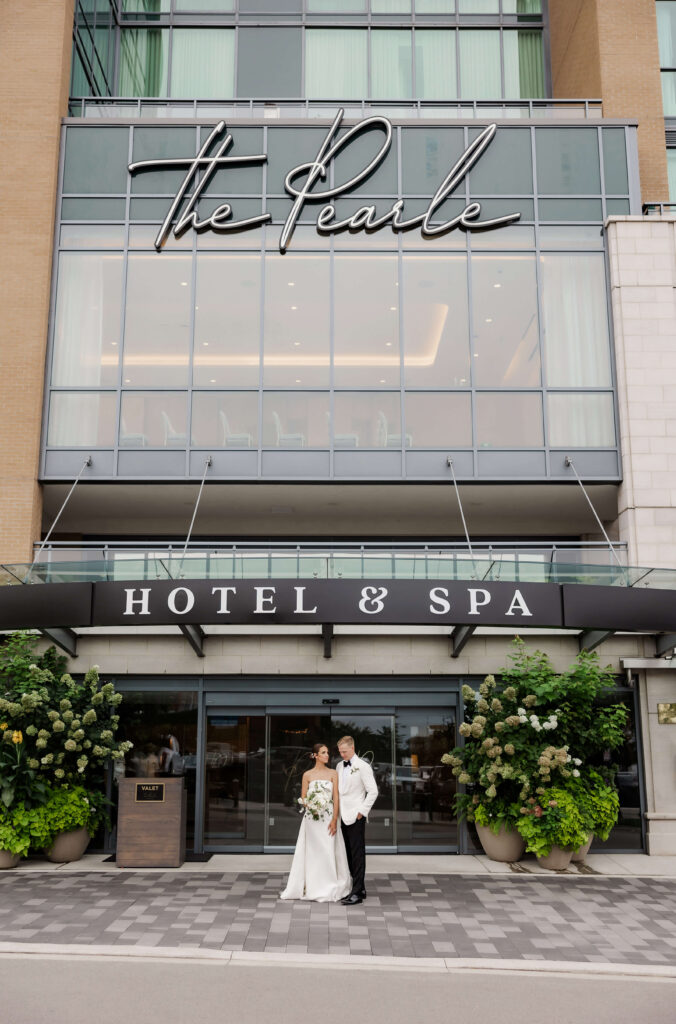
{"x": 302, "y": 185}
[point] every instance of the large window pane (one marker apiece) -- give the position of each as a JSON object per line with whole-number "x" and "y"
{"x": 143, "y": 62}
{"x": 366, "y": 320}
{"x": 576, "y": 343}
{"x": 153, "y": 419}
{"x": 508, "y": 419}
{"x": 666, "y": 32}
{"x": 225, "y": 420}
{"x": 671, "y": 170}
{"x": 157, "y": 323}
{"x": 438, "y": 420}
{"x": 335, "y": 63}
{"x": 615, "y": 160}
{"x": 435, "y": 6}
{"x": 269, "y": 62}
{"x": 480, "y": 64}
{"x": 436, "y": 332}
{"x": 391, "y": 67}
{"x": 227, "y": 319}
{"x": 435, "y": 65}
{"x": 203, "y": 63}
{"x": 524, "y": 70}
{"x": 297, "y": 309}
{"x": 506, "y": 350}
{"x": 669, "y": 93}
{"x": 81, "y": 418}
{"x": 296, "y": 419}
{"x": 87, "y": 322}
{"x": 581, "y": 421}
{"x": 567, "y": 161}
{"x": 367, "y": 420}
{"x": 427, "y": 155}
{"x": 505, "y": 169}
{"x": 96, "y": 160}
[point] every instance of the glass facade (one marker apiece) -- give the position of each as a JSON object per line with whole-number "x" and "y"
{"x": 352, "y": 339}
{"x": 209, "y": 49}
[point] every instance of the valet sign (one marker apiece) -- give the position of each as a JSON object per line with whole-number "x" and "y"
{"x": 307, "y": 186}
{"x": 395, "y": 602}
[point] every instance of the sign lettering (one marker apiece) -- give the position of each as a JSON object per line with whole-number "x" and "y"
{"x": 301, "y": 184}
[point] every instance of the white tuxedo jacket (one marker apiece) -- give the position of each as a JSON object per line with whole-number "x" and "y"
{"x": 357, "y": 789}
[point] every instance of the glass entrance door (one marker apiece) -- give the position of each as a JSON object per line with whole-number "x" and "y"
{"x": 254, "y": 765}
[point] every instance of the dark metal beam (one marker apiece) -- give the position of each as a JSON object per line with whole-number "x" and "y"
{"x": 327, "y": 637}
{"x": 459, "y": 638}
{"x": 195, "y": 637}
{"x": 65, "y": 638}
{"x": 589, "y": 639}
{"x": 664, "y": 642}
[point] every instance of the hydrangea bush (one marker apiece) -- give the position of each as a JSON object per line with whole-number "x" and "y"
{"x": 537, "y": 730}
{"x": 54, "y": 731}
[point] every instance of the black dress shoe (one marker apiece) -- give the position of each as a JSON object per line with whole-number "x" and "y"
{"x": 351, "y": 900}
{"x": 363, "y": 894}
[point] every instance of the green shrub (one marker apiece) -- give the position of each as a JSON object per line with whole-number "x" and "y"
{"x": 552, "y": 820}
{"x": 66, "y": 809}
{"x": 15, "y": 829}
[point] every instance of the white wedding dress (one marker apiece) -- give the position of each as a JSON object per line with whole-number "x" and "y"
{"x": 319, "y": 868}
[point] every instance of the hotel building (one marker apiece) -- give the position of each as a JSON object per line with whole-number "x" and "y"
{"x": 339, "y": 347}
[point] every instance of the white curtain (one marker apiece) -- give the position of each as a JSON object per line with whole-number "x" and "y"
{"x": 335, "y": 63}
{"x": 391, "y": 60}
{"x": 576, "y": 342}
{"x": 480, "y": 64}
{"x": 435, "y": 64}
{"x": 87, "y": 323}
{"x": 203, "y": 63}
{"x": 580, "y": 420}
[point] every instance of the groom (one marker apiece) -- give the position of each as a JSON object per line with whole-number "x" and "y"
{"x": 358, "y": 791}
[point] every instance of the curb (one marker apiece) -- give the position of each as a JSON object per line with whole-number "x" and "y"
{"x": 440, "y": 965}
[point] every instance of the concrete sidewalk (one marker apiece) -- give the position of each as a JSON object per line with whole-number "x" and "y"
{"x": 636, "y": 865}
{"x": 622, "y": 921}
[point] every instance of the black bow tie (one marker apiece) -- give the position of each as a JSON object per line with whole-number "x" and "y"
{"x": 346, "y": 764}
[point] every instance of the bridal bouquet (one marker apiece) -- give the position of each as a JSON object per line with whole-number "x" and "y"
{"x": 317, "y": 804}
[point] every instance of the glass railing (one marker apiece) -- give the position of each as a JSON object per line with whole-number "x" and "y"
{"x": 556, "y": 565}
{"x": 107, "y": 107}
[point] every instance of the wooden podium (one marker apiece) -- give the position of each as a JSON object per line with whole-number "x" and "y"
{"x": 151, "y": 823}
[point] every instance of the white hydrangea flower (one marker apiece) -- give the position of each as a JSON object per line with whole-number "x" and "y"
{"x": 521, "y": 711}
{"x": 577, "y": 761}
{"x": 576, "y": 773}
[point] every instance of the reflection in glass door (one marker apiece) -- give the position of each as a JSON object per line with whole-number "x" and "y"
{"x": 373, "y": 739}
{"x": 425, "y": 787}
{"x": 290, "y": 740}
{"x": 234, "y": 788}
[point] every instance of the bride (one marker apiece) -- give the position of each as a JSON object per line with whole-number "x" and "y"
{"x": 319, "y": 868}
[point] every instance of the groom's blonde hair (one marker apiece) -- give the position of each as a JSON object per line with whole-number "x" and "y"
{"x": 346, "y": 739}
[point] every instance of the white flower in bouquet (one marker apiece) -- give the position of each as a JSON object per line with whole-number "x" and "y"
{"x": 318, "y": 804}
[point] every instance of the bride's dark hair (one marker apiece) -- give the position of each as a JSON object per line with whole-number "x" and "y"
{"x": 315, "y": 750}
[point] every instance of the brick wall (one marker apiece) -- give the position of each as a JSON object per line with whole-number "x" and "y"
{"x": 608, "y": 49}
{"x": 34, "y": 78}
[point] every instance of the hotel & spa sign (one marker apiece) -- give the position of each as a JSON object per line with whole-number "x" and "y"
{"x": 337, "y": 601}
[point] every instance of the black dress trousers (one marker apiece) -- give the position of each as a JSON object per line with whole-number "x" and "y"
{"x": 355, "y": 847}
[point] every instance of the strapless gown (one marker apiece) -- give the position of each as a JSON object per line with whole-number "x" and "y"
{"x": 319, "y": 868}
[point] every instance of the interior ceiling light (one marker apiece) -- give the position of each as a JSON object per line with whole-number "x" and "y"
{"x": 184, "y": 284}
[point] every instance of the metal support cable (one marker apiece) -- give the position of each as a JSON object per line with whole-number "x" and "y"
{"x": 569, "y": 462}
{"x": 194, "y": 515}
{"x": 449, "y": 463}
{"x": 87, "y": 462}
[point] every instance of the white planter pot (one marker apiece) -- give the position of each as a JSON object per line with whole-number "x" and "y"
{"x": 505, "y": 846}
